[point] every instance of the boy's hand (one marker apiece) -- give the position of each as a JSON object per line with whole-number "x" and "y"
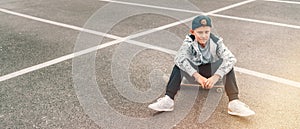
{"x": 210, "y": 82}
{"x": 200, "y": 79}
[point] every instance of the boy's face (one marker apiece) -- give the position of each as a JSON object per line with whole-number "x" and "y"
{"x": 201, "y": 34}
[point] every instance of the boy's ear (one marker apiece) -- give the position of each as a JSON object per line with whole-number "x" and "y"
{"x": 192, "y": 31}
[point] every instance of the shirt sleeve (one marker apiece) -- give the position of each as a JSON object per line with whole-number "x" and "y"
{"x": 182, "y": 59}
{"x": 229, "y": 59}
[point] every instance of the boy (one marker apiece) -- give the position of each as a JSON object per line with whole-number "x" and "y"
{"x": 204, "y": 58}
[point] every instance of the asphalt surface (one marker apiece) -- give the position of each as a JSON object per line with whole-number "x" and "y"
{"x": 92, "y": 90}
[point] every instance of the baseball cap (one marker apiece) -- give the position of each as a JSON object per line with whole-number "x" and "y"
{"x": 201, "y": 20}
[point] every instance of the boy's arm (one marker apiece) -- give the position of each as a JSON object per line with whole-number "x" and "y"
{"x": 181, "y": 59}
{"x": 229, "y": 59}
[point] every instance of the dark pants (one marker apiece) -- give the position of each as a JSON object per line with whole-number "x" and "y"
{"x": 207, "y": 71}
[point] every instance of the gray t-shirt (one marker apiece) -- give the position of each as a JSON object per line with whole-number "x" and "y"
{"x": 206, "y": 55}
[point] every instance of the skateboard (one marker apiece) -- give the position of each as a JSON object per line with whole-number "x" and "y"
{"x": 218, "y": 87}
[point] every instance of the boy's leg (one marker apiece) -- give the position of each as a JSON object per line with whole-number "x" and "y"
{"x": 235, "y": 106}
{"x": 231, "y": 88}
{"x": 166, "y": 103}
{"x": 207, "y": 71}
{"x": 175, "y": 80}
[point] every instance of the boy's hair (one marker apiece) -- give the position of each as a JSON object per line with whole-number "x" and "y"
{"x": 200, "y": 21}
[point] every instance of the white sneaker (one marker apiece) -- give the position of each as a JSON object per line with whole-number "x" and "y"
{"x": 238, "y": 108}
{"x": 163, "y": 104}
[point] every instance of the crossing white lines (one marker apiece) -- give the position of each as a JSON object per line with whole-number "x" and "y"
{"x": 128, "y": 39}
{"x": 73, "y": 55}
{"x": 214, "y": 13}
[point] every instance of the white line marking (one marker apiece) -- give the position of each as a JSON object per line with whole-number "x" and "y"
{"x": 268, "y": 77}
{"x": 58, "y": 60}
{"x": 59, "y": 24}
{"x": 152, "y": 6}
{"x": 230, "y": 7}
{"x": 238, "y": 69}
{"x": 153, "y": 47}
{"x": 257, "y": 21}
{"x": 180, "y": 10}
{"x": 160, "y": 28}
{"x": 213, "y": 13}
{"x": 284, "y": 1}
